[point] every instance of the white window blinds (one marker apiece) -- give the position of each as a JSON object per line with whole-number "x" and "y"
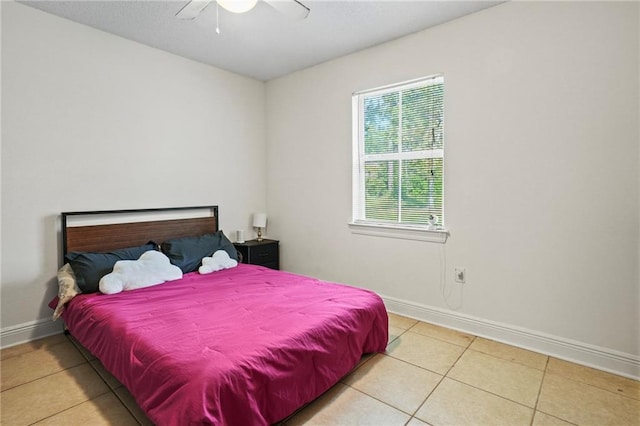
{"x": 398, "y": 153}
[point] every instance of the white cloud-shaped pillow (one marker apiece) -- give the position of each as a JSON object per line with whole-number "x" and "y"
{"x": 219, "y": 260}
{"x": 152, "y": 268}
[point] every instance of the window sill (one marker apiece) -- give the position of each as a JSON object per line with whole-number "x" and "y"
{"x": 418, "y": 233}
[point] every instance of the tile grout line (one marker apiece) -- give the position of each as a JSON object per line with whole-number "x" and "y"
{"x": 371, "y": 396}
{"x": 491, "y": 393}
{"x": 379, "y": 400}
{"x": 441, "y": 380}
{"x": 126, "y": 407}
{"x": 32, "y": 350}
{"x": 434, "y": 338}
{"x": 57, "y": 372}
{"x": 113, "y": 391}
{"x": 544, "y": 374}
{"x": 49, "y": 375}
{"x": 468, "y": 347}
{"x": 46, "y": 375}
{"x": 396, "y": 338}
{"x": 495, "y": 394}
{"x": 487, "y": 391}
{"x": 556, "y": 417}
{"x": 67, "y": 409}
{"x": 593, "y": 386}
{"x": 512, "y": 361}
{"x": 410, "y": 363}
{"x": 442, "y": 340}
{"x": 79, "y": 347}
{"x": 544, "y": 370}
{"x": 411, "y": 415}
{"x": 519, "y": 363}
{"x": 535, "y": 406}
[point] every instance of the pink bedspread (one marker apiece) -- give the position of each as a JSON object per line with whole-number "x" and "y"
{"x": 243, "y": 346}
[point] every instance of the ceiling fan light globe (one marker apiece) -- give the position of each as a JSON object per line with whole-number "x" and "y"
{"x": 237, "y": 6}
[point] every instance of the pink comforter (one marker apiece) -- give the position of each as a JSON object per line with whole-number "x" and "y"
{"x": 243, "y": 346}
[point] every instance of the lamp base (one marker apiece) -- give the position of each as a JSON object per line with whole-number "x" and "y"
{"x": 259, "y": 239}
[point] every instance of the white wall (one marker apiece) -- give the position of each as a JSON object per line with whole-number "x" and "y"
{"x": 541, "y": 138}
{"x": 91, "y": 121}
{"x": 541, "y": 179}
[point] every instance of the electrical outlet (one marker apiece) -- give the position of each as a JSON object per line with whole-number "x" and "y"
{"x": 460, "y": 275}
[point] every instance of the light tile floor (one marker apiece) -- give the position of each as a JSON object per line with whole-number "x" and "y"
{"x": 428, "y": 375}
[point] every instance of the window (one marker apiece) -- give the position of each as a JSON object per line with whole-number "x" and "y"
{"x": 398, "y": 153}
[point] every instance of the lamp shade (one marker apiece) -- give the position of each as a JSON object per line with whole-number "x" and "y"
{"x": 237, "y": 6}
{"x": 259, "y": 220}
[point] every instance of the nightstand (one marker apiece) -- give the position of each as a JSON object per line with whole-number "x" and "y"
{"x": 264, "y": 253}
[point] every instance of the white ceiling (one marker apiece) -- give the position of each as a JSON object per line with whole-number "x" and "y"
{"x": 262, "y": 43}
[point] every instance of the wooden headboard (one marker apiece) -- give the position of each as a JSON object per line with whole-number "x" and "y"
{"x": 112, "y": 236}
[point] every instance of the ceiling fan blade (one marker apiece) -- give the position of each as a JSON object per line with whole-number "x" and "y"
{"x": 291, "y": 8}
{"x": 192, "y": 9}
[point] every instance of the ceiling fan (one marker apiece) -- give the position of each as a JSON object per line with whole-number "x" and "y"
{"x": 291, "y": 8}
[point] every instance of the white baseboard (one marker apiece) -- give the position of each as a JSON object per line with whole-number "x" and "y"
{"x": 22, "y": 333}
{"x": 620, "y": 363}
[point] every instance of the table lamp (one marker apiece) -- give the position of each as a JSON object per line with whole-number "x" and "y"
{"x": 259, "y": 221}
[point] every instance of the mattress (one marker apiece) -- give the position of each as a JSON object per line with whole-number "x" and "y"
{"x": 242, "y": 346}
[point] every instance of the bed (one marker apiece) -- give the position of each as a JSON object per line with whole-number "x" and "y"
{"x": 246, "y": 345}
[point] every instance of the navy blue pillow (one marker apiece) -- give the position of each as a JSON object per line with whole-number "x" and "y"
{"x": 90, "y": 267}
{"x": 187, "y": 253}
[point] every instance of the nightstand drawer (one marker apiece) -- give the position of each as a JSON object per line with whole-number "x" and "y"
{"x": 272, "y": 265}
{"x": 263, "y": 254}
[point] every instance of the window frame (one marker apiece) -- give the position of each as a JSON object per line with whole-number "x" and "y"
{"x": 383, "y": 228}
